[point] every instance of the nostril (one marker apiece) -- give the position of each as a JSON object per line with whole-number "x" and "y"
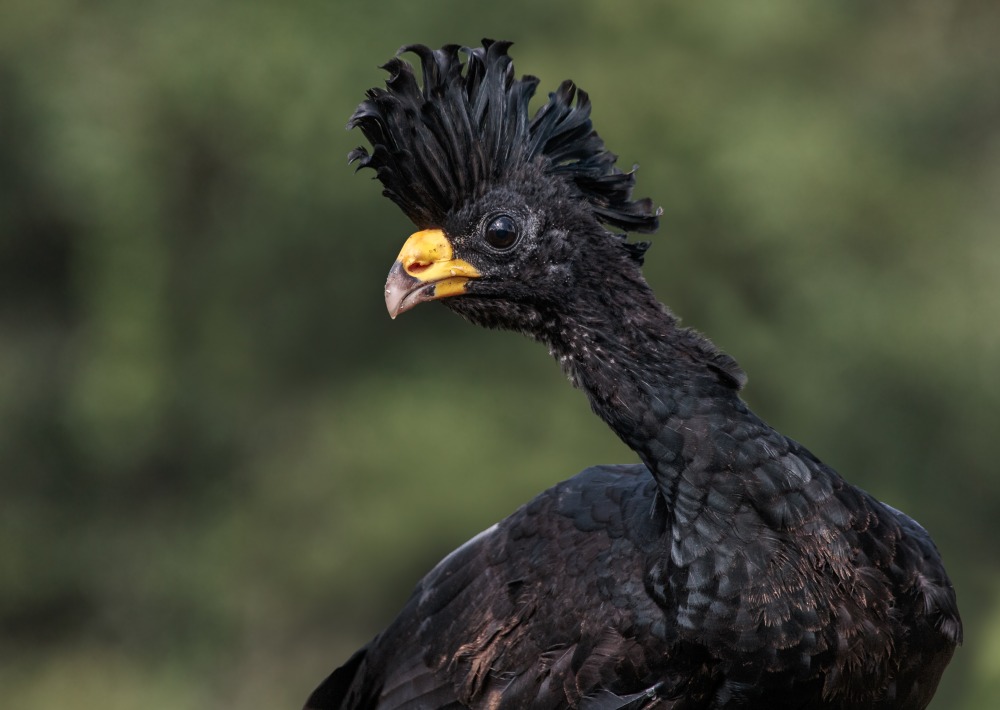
{"x": 417, "y": 266}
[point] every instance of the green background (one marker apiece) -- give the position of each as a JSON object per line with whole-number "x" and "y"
{"x": 222, "y": 467}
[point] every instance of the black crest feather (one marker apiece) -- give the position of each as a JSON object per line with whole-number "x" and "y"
{"x": 447, "y": 139}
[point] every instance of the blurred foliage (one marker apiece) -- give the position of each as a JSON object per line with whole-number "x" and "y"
{"x": 223, "y": 467}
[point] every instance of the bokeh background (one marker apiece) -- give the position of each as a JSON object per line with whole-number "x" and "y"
{"x": 222, "y": 467}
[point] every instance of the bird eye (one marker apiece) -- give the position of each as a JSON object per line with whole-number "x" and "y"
{"x": 501, "y": 232}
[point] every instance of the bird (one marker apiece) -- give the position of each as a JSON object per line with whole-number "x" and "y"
{"x": 731, "y": 568}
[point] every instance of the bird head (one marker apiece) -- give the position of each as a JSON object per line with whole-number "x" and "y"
{"x": 513, "y": 210}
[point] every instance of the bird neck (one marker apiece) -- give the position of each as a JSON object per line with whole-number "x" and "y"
{"x": 653, "y": 382}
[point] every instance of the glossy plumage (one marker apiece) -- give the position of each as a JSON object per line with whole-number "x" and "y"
{"x": 733, "y": 569}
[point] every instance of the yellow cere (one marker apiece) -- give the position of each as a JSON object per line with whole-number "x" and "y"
{"x": 428, "y": 256}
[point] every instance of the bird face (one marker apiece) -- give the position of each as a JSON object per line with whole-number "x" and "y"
{"x": 500, "y": 261}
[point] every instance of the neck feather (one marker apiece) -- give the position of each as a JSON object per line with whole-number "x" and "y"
{"x": 653, "y": 382}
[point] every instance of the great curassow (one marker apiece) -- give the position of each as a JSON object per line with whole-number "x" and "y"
{"x": 732, "y": 570}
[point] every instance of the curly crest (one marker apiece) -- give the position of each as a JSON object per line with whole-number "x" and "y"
{"x": 467, "y": 127}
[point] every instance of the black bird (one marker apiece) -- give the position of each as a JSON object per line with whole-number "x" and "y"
{"x": 732, "y": 570}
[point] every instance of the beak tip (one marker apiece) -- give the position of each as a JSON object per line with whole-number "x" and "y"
{"x": 397, "y": 288}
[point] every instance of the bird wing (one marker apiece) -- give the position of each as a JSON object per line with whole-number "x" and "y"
{"x": 545, "y": 609}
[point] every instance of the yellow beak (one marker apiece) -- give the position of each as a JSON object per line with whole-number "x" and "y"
{"x": 425, "y": 270}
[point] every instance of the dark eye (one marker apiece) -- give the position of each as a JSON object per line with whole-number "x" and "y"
{"x": 501, "y": 232}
